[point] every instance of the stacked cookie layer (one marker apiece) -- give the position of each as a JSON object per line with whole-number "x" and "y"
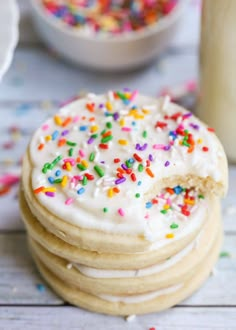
{"x": 120, "y": 197}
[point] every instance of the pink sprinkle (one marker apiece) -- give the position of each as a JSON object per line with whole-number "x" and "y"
{"x": 81, "y": 153}
{"x": 121, "y": 212}
{"x": 158, "y": 146}
{"x": 69, "y": 201}
{"x": 45, "y": 127}
{"x": 191, "y": 86}
{"x": 76, "y": 118}
{"x": 69, "y": 160}
{"x": 168, "y": 201}
{"x": 126, "y": 129}
{"x": 9, "y": 179}
{"x": 146, "y": 216}
{"x": 133, "y": 95}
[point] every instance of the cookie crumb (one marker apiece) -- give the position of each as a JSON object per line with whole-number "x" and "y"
{"x": 130, "y": 318}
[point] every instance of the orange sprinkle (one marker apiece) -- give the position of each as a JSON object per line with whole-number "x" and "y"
{"x": 4, "y": 190}
{"x": 190, "y": 149}
{"x": 67, "y": 121}
{"x": 149, "y": 172}
{"x": 170, "y": 235}
{"x": 108, "y": 133}
{"x": 120, "y": 170}
{"x": 39, "y": 189}
{"x": 189, "y": 201}
{"x": 170, "y": 191}
{"x": 91, "y": 118}
{"x": 41, "y": 146}
{"x": 116, "y": 190}
{"x": 90, "y": 107}
{"x": 78, "y": 159}
{"x": 61, "y": 142}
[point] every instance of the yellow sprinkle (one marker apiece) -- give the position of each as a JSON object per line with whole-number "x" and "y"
{"x": 123, "y": 142}
{"x": 68, "y": 166}
{"x": 145, "y": 111}
{"x": 166, "y": 207}
{"x": 93, "y": 128}
{"x": 48, "y": 137}
{"x": 199, "y": 141}
{"x": 64, "y": 181}
{"x": 85, "y": 163}
{"x": 180, "y": 143}
{"x": 170, "y": 235}
{"x": 127, "y": 95}
{"x": 189, "y": 201}
{"x": 122, "y": 122}
{"x": 58, "y": 120}
{"x": 138, "y": 116}
{"x": 133, "y": 112}
{"x": 110, "y": 193}
{"x": 109, "y": 106}
{"x": 50, "y": 189}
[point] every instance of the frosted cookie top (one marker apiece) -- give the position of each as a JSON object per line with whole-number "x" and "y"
{"x": 98, "y": 164}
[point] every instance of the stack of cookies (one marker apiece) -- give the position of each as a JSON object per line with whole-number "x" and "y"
{"x": 120, "y": 198}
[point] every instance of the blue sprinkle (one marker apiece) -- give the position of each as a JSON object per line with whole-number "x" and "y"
{"x": 178, "y": 190}
{"x": 81, "y": 191}
{"x": 83, "y": 128}
{"x": 148, "y": 205}
{"x": 131, "y": 160}
{"x": 133, "y": 123}
{"x": 139, "y": 183}
{"x": 51, "y": 179}
{"x": 40, "y": 287}
{"x": 58, "y": 173}
{"x": 55, "y": 134}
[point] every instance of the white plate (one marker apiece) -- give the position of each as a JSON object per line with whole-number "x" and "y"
{"x": 9, "y": 33}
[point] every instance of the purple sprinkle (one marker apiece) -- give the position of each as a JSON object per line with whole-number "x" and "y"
{"x": 101, "y": 105}
{"x": 102, "y": 162}
{"x": 187, "y": 115}
{"x": 65, "y": 132}
{"x": 124, "y": 167}
{"x": 167, "y": 163}
{"x": 90, "y": 140}
{"x": 50, "y": 193}
{"x": 137, "y": 147}
{"x": 166, "y": 148}
{"x": 120, "y": 180}
{"x": 150, "y": 157}
{"x": 116, "y": 116}
{"x": 144, "y": 147}
{"x": 194, "y": 126}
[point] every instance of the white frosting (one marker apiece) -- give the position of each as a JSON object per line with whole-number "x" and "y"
{"x": 134, "y": 299}
{"x": 104, "y": 273}
{"x": 126, "y": 214}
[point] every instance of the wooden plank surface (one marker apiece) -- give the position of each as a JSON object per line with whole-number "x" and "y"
{"x": 70, "y": 318}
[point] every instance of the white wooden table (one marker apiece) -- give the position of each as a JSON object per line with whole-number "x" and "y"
{"x": 36, "y": 82}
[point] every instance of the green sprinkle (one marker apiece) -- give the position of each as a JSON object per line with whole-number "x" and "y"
{"x": 109, "y": 125}
{"x": 55, "y": 161}
{"x": 57, "y": 180}
{"x": 186, "y": 144}
{"x": 71, "y": 144}
{"x": 99, "y": 170}
{"x": 92, "y": 156}
{"x": 81, "y": 167}
{"x": 44, "y": 170}
{"x": 107, "y": 139}
{"x": 121, "y": 96}
{"x": 144, "y": 134}
{"x": 201, "y": 196}
{"x": 140, "y": 168}
{"x": 46, "y": 167}
{"x": 137, "y": 195}
{"x": 94, "y": 136}
{"x": 84, "y": 181}
{"x": 225, "y": 254}
{"x": 105, "y": 209}
{"x": 128, "y": 164}
{"x": 103, "y": 132}
{"x": 174, "y": 225}
{"x": 70, "y": 152}
{"x": 163, "y": 211}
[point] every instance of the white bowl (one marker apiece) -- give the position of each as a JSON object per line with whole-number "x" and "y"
{"x": 9, "y": 19}
{"x": 122, "y": 52}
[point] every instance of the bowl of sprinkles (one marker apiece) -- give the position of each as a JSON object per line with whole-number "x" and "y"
{"x": 108, "y": 34}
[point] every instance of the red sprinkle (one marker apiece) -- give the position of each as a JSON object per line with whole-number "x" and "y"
{"x": 89, "y": 176}
{"x": 136, "y": 157}
{"x": 205, "y": 149}
{"x": 133, "y": 177}
{"x": 103, "y": 146}
{"x": 160, "y": 124}
{"x": 210, "y": 129}
{"x": 116, "y": 160}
